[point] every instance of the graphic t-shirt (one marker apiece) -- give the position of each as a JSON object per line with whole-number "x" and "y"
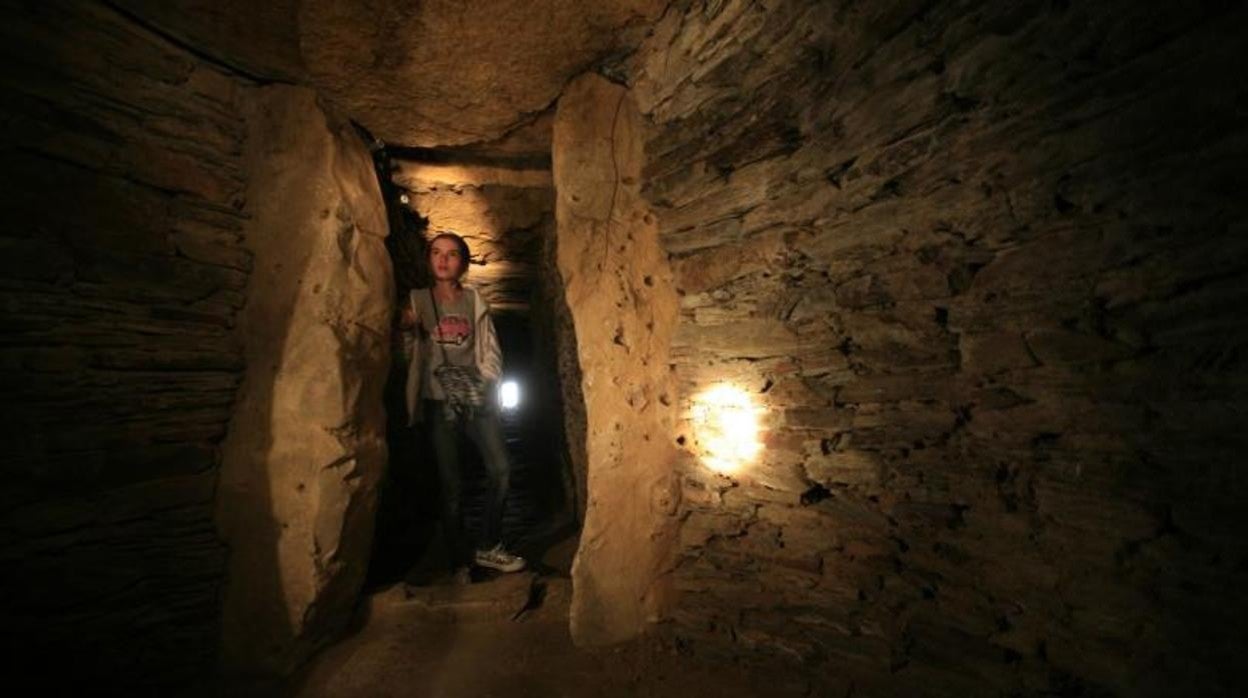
{"x": 450, "y": 331}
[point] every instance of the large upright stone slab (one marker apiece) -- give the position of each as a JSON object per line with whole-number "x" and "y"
{"x": 623, "y": 304}
{"x": 306, "y": 446}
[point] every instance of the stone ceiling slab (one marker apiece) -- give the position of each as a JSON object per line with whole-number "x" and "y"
{"x": 452, "y": 72}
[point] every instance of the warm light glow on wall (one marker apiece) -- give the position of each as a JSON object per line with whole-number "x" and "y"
{"x": 725, "y": 422}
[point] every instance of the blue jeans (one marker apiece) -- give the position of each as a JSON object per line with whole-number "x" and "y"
{"x": 485, "y": 431}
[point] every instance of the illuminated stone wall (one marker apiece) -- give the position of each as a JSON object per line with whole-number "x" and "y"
{"x": 305, "y": 450}
{"x": 981, "y": 267}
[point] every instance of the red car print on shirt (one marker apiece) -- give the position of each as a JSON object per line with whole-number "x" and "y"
{"x": 453, "y": 330}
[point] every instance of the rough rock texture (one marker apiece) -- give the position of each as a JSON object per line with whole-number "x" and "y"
{"x": 260, "y": 39}
{"x": 619, "y": 291}
{"x": 448, "y": 72}
{"x": 306, "y": 446}
{"x": 983, "y": 264}
{"x": 529, "y": 141}
{"x": 121, "y": 273}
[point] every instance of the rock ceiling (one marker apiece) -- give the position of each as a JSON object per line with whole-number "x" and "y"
{"x": 453, "y": 72}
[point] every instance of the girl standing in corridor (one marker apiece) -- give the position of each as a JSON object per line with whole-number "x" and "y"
{"x": 454, "y": 362}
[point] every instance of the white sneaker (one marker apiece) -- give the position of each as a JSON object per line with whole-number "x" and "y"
{"x": 498, "y": 559}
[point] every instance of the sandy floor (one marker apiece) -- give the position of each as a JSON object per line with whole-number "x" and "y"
{"x": 448, "y": 641}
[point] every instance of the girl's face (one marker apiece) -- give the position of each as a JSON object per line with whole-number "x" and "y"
{"x": 445, "y": 260}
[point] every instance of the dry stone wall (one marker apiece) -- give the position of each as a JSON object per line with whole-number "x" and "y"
{"x": 123, "y": 269}
{"x": 981, "y": 265}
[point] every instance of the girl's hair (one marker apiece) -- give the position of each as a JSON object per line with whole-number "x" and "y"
{"x": 464, "y": 254}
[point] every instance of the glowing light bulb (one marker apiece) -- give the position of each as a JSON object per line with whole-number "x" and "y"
{"x": 509, "y": 395}
{"x": 725, "y": 422}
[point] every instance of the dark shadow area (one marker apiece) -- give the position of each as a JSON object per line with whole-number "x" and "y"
{"x": 469, "y": 156}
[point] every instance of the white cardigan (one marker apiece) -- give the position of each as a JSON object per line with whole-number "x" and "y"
{"x": 419, "y": 350}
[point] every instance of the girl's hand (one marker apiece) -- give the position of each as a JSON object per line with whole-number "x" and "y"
{"x": 407, "y": 318}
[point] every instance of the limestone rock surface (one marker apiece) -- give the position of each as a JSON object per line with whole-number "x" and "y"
{"x": 449, "y": 72}
{"x": 305, "y": 448}
{"x": 623, "y": 305}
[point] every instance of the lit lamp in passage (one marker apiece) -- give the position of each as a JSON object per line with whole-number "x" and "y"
{"x": 725, "y": 422}
{"x": 509, "y": 395}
